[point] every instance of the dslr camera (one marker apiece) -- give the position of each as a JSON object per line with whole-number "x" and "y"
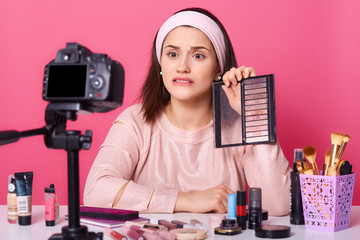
{"x": 77, "y": 75}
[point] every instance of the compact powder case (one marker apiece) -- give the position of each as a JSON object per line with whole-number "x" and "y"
{"x": 273, "y": 231}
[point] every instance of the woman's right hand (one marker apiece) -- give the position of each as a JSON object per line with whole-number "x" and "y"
{"x": 210, "y": 200}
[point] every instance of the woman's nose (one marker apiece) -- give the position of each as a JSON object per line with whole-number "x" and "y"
{"x": 183, "y": 65}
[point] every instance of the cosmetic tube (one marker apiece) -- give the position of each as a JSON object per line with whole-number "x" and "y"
{"x": 161, "y": 233}
{"x": 296, "y": 207}
{"x": 145, "y": 225}
{"x": 241, "y": 209}
{"x": 167, "y": 224}
{"x": 12, "y": 201}
{"x": 114, "y": 234}
{"x": 255, "y": 208}
{"x": 50, "y": 200}
{"x": 133, "y": 235}
{"x": 23, "y": 182}
{"x": 147, "y": 233}
{"x": 179, "y": 224}
{"x": 231, "y": 206}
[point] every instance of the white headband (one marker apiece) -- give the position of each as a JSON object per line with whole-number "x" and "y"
{"x": 199, "y": 21}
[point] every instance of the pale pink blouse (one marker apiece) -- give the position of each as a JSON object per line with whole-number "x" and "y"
{"x": 159, "y": 160}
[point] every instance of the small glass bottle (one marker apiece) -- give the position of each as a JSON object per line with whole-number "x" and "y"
{"x": 12, "y": 201}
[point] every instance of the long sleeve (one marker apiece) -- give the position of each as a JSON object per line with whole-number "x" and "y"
{"x": 158, "y": 160}
{"x": 115, "y": 165}
{"x": 266, "y": 167}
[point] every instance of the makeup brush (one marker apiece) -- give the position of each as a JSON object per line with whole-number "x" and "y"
{"x": 341, "y": 150}
{"x": 310, "y": 154}
{"x": 327, "y": 162}
{"x": 299, "y": 166}
{"x": 309, "y": 171}
{"x": 305, "y": 165}
{"x": 332, "y": 171}
{"x": 336, "y": 141}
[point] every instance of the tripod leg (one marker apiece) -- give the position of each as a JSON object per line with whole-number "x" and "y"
{"x": 74, "y": 230}
{"x": 73, "y": 189}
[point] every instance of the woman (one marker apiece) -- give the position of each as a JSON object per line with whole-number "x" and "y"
{"x": 159, "y": 157}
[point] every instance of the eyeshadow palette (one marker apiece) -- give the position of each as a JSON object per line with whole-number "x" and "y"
{"x": 255, "y": 122}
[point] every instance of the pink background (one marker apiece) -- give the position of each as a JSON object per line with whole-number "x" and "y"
{"x": 312, "y": 47}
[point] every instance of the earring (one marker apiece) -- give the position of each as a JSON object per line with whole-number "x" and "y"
{"x": 161, "y": 73}
{"x": 219, "y": 77}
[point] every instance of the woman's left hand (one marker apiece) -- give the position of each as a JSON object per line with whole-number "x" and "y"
{"x": 232, "y": 88}
{"x": 236, "y": 74}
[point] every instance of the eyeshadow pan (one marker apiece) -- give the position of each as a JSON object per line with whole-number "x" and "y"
{"x": 257, "y": 128}
{"x": 256, "y": 134}
{"x": 256, "y": 112}
{"x": 256, "y": 123}
{"x": 257, "y": 117}
{"x": 257, "y": 139}
{"x": 255, "y": 101}
{"x": 255, "y": 80}
{"x": 255, "y": 107}
{"x": 255, "y": 96}
{"x": 255, "y": 91}
{"x": 257, "y": 85}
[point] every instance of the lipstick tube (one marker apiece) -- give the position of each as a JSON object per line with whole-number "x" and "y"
{"x": 114, "y": 234}
{"x": 133, "y": 235}
{"x": 241, "y": 209}
{"x": 167, "y": 224}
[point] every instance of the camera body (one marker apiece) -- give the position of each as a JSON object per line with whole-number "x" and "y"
{"x": 77, "y": 75}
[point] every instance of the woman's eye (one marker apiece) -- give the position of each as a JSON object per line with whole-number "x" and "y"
{"x": 198, "y": 56}
{"x": 172, "y": 54}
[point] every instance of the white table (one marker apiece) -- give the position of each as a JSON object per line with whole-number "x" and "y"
{"x": 37, "y": 230}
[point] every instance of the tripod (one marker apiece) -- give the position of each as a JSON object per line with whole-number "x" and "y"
{"x": 57, "y": 137}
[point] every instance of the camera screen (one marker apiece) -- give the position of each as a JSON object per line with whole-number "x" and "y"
{"x": 67, "y": 81}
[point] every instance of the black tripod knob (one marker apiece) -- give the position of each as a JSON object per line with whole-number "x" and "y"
{"x": 86, "y": 140}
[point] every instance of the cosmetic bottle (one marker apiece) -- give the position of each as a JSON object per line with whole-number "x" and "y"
{"x": 296, "y": 207}
{"x": 12, "y": 201}
{"x": 57, "y": 211}
{"x": 23, "y": 182}
{"x": 255, "y": 208}
{"x": 50, "y": 199}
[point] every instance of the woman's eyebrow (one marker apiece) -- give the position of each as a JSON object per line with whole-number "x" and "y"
{"x": 193, "y": 47}
{"x": 200, "y": 47}
{"x": 171, "y": 46}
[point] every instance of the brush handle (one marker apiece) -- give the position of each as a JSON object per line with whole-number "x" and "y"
{"x": 341, "y": 150}
{"x": 315, "y": 168}
{"x": 332, "y": 171}
{"x": 334, "y": 149}
{"x": 325, "y": 169}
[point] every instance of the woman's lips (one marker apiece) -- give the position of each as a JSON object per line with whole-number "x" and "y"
{"x": 183, "y": 81}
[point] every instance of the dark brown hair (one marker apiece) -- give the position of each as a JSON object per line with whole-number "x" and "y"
{"x": 154, "y": 95}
